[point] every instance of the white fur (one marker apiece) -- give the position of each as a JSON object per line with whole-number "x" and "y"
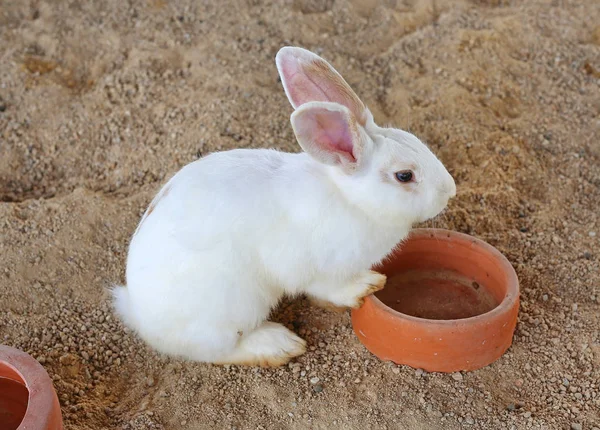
{"x": 233, "y": 232}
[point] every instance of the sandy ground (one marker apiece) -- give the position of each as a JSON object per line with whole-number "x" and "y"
{"x": 101, "y": 101}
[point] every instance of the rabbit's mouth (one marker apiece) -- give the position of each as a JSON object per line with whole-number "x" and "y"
{"x": 438, "y": 219}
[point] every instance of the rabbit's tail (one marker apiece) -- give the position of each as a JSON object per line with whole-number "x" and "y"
{"x": 122, "y": 304}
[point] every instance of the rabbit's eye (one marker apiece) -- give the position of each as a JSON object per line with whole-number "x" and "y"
{"x": 405, "y": 176}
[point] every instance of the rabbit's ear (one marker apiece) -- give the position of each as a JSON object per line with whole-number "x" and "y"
{"x": 328, "y": 132}
{"x": 306, "y": 77}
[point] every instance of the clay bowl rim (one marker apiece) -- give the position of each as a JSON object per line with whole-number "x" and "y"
{"x": 41, "y": 400}
{"x": 511, "y": 295}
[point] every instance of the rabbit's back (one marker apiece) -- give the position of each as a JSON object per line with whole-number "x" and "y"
{"x": 209, "y": 200}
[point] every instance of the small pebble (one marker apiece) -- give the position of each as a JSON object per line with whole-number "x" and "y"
{"x": 318, "y": 388}
{"x": 576, "y": 426}
{"x": 457, "y": 376}
{"x": 314, "y": 380}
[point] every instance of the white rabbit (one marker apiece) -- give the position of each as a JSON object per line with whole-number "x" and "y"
{"x": 233, "y": 232}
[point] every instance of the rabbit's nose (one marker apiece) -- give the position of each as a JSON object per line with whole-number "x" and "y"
{"x": 449, "y": 186}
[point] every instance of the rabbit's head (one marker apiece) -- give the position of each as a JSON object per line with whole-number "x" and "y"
{"x": 386, "y": 172}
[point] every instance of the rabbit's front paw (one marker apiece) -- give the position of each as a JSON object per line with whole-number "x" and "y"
{"x": 364, "y": 285}
{"x": 351, "y": 294}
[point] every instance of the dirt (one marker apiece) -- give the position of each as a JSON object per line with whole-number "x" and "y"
{"x": 100, "y": 102}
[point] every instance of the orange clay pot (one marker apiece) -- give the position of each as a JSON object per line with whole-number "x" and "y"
{"x": 450, "y": 303}
{"x": 27, "y": 398}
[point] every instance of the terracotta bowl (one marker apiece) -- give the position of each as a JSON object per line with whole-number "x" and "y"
{"x": 27, "y": 397}
{"x": 450, "y": 303}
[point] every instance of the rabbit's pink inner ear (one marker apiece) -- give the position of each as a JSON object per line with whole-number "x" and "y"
{"x": 308, "y": 78}
{"x": 300, "y": 89}
{"x": 332, "y": 133}
{"x": 330, "y": 136}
